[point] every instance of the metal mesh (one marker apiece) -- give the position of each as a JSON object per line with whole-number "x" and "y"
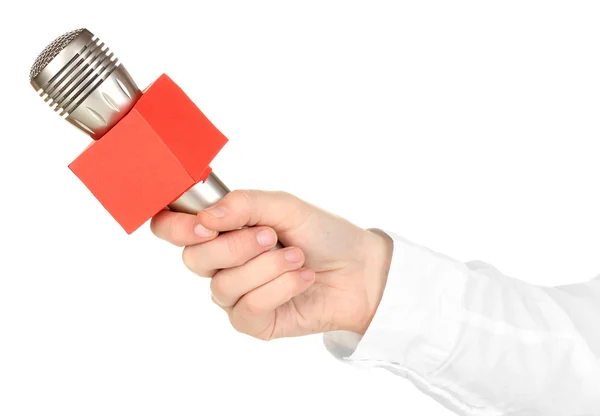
{"x": 50, "y": 52}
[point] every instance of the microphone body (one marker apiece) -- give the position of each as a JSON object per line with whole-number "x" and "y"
{"x": 200, "y": 196}
{"x": 150, "y": 149}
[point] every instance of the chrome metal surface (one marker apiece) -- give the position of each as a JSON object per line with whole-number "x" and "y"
{"x": 201, "y": 196}
{"x": 81, "y": 79}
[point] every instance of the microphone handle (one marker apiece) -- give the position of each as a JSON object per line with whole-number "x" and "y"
{"x": 202, "y": 196}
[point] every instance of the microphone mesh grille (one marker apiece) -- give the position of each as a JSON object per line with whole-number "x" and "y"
{"x": 51, "y": 51}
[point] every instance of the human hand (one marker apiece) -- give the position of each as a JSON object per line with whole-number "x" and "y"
{"x": 330, "y": 275}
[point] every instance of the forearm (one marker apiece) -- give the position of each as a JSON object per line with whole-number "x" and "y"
{"x": 482, "y": 343}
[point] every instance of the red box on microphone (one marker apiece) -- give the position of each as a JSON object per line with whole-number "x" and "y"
{"x": 153, "y": 155}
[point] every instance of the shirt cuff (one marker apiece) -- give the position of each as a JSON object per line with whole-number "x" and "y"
{"x": 418, "y": 320}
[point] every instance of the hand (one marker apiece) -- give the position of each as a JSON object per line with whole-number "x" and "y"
{"x": 330, "y": 275}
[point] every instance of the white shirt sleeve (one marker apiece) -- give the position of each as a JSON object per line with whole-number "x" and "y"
{"x": 482, "y": 343}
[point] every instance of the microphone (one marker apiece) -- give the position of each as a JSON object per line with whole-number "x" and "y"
{"x": 151, "y": 149}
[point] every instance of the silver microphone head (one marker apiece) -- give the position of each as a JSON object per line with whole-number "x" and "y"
{"x": 83, "y": 81}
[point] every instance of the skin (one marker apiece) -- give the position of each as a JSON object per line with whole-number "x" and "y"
{"x": 330, "y": 275}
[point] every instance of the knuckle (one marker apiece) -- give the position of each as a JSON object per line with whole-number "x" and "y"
{"x": 248, "y": 195}
{"x": 189, "y": 258}
{"x": 162, "y": 226}
{"x": 283, "y": 194}
{"x": 286, "y": 196}
{"x": 242, "y": 196}
{"x": 154, "y": 226}
{"x": 245, "y": 326}
{"x": 264, "y": 336}
{"x": 218, "y": 286}
{"x": 237, "y": 323}
{"x": 251, "y": 307}
{"x": 248, "y": 200}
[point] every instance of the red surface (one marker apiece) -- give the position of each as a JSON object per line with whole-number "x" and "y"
{"x": 192, "y": 138}
{"x": 160, "y": 149}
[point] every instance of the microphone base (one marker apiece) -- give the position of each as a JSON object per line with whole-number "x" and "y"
{"x": 201, "y": 196}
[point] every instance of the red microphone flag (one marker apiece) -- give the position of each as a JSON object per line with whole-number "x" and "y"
{"x": 153, "y": 155}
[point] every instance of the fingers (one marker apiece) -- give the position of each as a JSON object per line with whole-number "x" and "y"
{"x": 248, "y": 208}
{"x": 254, "y": 314}
{"x": 180, "y": 229}
{"x": 229, "y": 285}
{"x": 229, "y": 250}
{"x": 234, "y": 211}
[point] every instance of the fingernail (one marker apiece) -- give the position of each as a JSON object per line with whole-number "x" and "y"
{"x": 293, "y": 255}
{"x": 306, "y": 275}
{"x": 215, "y": 212}
{"x": 266, "y": 237}
{"x": 200, "y": 231}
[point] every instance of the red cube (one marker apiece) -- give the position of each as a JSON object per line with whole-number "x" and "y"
{"x": 155, "y": 153}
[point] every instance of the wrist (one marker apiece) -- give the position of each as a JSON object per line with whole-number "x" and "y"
{"x": 378, "y": 258}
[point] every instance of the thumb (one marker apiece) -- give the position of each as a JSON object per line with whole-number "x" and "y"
{"x": 237, "y": 209}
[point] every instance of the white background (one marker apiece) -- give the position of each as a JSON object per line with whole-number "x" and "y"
{"x": 470, "y": 127}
